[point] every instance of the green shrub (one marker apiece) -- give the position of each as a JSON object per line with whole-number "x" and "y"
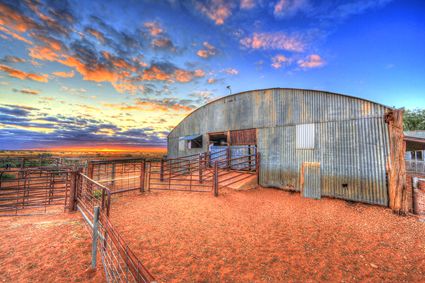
{"x": 7, "y": 176}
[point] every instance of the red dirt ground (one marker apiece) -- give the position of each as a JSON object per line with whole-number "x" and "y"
{"x": 267, "y": 235}
{"x": 46, "y": 248}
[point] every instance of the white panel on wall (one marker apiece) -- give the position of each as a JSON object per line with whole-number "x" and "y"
{"x": 305, "y": 136}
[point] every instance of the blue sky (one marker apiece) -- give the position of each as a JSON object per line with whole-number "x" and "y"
{"x": 121, "y": 74}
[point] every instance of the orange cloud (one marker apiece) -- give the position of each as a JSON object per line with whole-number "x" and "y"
{"x": 43, "y": 53}
{"x": 97, "y": 34}
{"x": 64, "y": 74}
{"x": 208, "y": 51}
{"x": 154, "y": 28}
{"x": 97, "y": 73}
{"x": 155, "y": 73}
{"x": 312, "y": 61}
{"x": 14, "y": 35}
{"x": 216, "y": 10}
{"x": 23, "y": 75}
{"x": 273, "y": 41}
{"x": 15, "y": 20}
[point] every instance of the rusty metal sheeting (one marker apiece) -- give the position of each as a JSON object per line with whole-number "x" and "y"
{"x": 243, "y": 137}
{"x": 351, "y": 138}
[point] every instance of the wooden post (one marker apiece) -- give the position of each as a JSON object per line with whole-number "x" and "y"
{"x": 257, "y": 167}
{"x": 95, "y": 236}
{"x": 200, "y": 168}
{"x": 396, "y": 167}
{"x": 113, "y": 175}
{"x": 228, "y": 156}
{"x": 215, "y": 184}
{"x": 72, "y": 206}
{"x": 90, "y": 170}
{"x": 142, "y": 176}
{"x": 161, "y": 171}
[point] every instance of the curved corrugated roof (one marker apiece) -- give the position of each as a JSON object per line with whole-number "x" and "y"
{"x": 277, "y": 88}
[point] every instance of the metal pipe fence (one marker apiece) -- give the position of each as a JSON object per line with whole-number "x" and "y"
{"x": 29, "y": 191}
{"x": 119, "y": 262}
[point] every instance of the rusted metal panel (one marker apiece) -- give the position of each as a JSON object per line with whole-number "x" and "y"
{"x": 243, "y": 137}
{"x": 350, "y": 138}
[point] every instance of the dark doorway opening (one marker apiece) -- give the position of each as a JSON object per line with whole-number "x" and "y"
{"x": 218, "y": 139}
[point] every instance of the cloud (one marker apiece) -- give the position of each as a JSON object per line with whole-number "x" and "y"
{"x": 97, "y": 34}
{"x": 216, "y": 10}
{"x": 350, "y": 8}
{"x": 14, "y": 35}
{"x": 278, "y": 60}
{"x": 273, "y": 41}
{"x": 208, "y": 51}
{"x": 289, "y": 8}
{"x": 11, "y": 59}
{"x": 169, "y": 72}
{"x": 312, "y": 61}
{"x": 202, "y": 97}
{"x": 64, "y": 74}
{"x": 152, "y": 104}
{"x": 247, "y": 4}
{"x": 23, "y": 75}
{"x": 231, "y": 71}
{"x": 27, "y": 91}
{"x": 16, "y": 110}
{"x": 211, "y": 80}
{"x": 153, "y": 28}
{"x": 163, "y": 43}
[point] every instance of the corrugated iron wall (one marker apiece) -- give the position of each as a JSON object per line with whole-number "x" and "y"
{"x": 351, "y": 138}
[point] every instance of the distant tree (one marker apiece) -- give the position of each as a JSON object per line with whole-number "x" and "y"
{"x": 414, "y": 120}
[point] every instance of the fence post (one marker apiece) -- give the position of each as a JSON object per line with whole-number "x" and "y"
{"x": 142, "y": 176}
{"x": 73, "y": 191}
{"x": 228, "y": 157}
{"x": 200, "y": 168}
{"x": 215, "y": 179}
{"x": 113, "y": 175}
{"x": 95, "y": 236}
{"x": 90, "y": 170}
{"x": 161, "y": 171}
{"x": 257, "y": 166}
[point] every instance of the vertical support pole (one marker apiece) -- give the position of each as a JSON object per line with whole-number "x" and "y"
{"x": 142, "y": 176}
{"x": 257, "y": 166}
{"x": 161, "y": 171}
{"x": 73, "y": 191}
{"x": 90, "y": 170}
{"x": 113, "y": 175}
{"x": 200, "y": 168}
{"x": 215, "y": 179}
{"x": 228, "y": 156}
{"x": 95, "y": 236}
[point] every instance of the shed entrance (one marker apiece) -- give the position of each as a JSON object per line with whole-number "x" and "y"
{"x": 310, "y": 180}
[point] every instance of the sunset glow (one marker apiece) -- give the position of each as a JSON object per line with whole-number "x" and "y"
{"x": 113, "y": 75}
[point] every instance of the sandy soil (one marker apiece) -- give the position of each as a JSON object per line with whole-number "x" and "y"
{"x": 268, "y": 235}
{"x": 46, "y": 248}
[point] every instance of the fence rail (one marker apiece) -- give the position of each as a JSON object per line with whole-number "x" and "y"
{"x": 119, "y": 261}
{"x": 29, "y": 191}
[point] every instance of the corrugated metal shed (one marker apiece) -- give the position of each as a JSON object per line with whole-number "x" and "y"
{"x": 350, "y": 138}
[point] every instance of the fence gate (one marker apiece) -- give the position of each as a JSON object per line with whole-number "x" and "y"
{"x": 28, "y": 191}
{"x": 119, "y": 175}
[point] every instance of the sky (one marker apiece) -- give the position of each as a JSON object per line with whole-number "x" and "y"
{"x": 121, "y": 74}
